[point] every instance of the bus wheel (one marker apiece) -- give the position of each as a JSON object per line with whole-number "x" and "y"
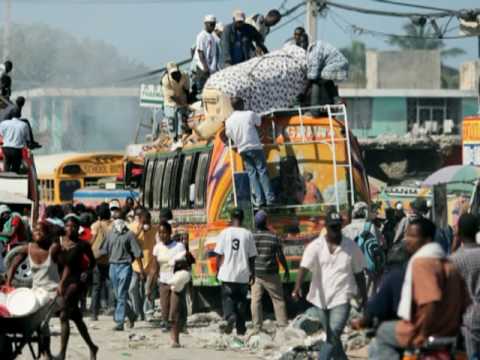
{"x": 23, "y": 275}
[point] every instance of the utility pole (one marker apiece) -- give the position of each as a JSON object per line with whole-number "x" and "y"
{"x": 311, "y": 21}
{"x": 6, "y": 29}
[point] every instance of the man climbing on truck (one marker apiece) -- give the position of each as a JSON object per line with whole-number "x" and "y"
{"x": 240, "y": 127}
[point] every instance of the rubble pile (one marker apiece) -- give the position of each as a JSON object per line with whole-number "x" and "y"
{"x": 301, "y": 340}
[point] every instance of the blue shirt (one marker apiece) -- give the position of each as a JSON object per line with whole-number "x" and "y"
{"x": 14, "y": 133}
{"x": 384, "y": 304}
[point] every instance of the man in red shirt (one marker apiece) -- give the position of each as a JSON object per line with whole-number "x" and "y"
{"x": 12, "y": 228}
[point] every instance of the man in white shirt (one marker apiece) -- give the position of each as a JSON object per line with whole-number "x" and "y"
{"x": 207, "y": 53}
{"x": 337, "y": 265}
{"x": 15, "y": 136}
{"x": 236, "y": 253}
{"x": 240, "y": 127}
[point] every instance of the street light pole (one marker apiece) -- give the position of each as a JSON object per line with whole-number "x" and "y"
{"x": 6, "y": 29}
{"x": 311, "y": 20}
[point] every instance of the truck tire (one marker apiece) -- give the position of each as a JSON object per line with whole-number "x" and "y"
{"x": 23, "y": 275}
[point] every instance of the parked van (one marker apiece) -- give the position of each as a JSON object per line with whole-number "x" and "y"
{"x": 314, "y": 164}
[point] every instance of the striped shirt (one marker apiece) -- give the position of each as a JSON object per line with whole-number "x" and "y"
{"x": 268, "y": 246}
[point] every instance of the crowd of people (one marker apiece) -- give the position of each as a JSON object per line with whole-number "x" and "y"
{"x": 117, "y": 256}
{"x": 218, "y": 46}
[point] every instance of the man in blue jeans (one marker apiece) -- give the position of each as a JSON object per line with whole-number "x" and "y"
{"x": 240, "y": 127}
{"x": 337, "y": 265}
{"x": 122, "y": 249}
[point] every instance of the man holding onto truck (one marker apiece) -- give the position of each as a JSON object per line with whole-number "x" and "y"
{"x": 238, "y": 38}
{"x": 175, "y": 87}
{"x": 240, "y": 127}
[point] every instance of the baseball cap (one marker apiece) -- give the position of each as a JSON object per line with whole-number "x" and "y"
{"x": 4, "y": 209}
{"x": 209, "y": 19}
{"x": 172, "y": 67}
{"x": 359, "y": 208}
{"x": 333, "y": 218}
{"x": 114, "y": 204}
{"x": 219, "y": 27}
{"x": 260, "y": 218}
{"x": 238, "y": 15}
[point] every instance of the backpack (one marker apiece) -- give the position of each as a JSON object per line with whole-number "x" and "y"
{"x": 371, "y": 249}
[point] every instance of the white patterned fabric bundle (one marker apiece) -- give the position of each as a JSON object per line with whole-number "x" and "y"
{"x": 268, "y": 82}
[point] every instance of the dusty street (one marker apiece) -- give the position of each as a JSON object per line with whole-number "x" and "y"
{"x": 144, "y": 342}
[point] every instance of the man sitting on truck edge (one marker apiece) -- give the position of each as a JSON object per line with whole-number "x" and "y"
{"x": 175, "y": 87}
{"x": 240, "y": 128}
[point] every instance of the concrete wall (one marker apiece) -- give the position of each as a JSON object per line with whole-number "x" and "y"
{"x": 412, "y": 69}
{"x": 470, "y": 75}
{"x": 389, "y": 117}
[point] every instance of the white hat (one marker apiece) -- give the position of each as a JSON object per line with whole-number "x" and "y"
{"x": 209, "y": 19}
{"x": 239, "y": 15}
{"x": 114, "y": 204}
{"x": 219, "y": 27}
{"x": 4, "y": 209}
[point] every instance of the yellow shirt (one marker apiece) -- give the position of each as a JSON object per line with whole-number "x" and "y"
{"x": 146, "y": 240}
{"x": 171, "y": 89}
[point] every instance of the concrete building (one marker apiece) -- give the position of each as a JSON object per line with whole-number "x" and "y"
{"x": 375, "y": 112}
{"x": 412, "y": 69}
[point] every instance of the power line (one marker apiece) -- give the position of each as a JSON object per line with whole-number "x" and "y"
{"x": 417, "y": 6}
{"x": 386, "y": 13}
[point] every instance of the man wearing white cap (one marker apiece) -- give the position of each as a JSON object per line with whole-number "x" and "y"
{"x": 206, "y": 53}
{"x": 238, "y": 39}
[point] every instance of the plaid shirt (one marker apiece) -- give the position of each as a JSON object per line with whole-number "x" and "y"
{"x": 326, "y": 62}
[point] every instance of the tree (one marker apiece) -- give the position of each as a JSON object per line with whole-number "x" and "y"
{"x": 355, "y": 54}
{"x": 424, "y": 37}
{"x": 47, "y": 57}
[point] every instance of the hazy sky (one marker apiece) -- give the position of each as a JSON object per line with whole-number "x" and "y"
{"x": 155, "y": 31}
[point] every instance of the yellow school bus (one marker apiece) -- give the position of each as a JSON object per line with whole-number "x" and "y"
{"x": 60, "y": 175}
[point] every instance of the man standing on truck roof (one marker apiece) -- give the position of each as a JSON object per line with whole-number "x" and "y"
{"x": 175, "y": 87}
{"x": 5, "y": 79}
{"x": 15, "y": 136}
{"x": 238, "y": 38}
{"x": 240, "y": 127}
{"x": 263, "y": 23}
{"x": 269, "y": 251}
{"x": 207, "y": 53}
{"x": 325, "y": 64}
{"x": 236, "y": 254}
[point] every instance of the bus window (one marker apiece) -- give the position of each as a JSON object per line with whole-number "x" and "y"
{"x": 174, "y": 183}
{"x": 67, "y": 187}
{"x": 157, "y": 184}
{"x": 147, "y": 196}
{"x": 166, "y": 203}
{"x": 186, "y": 180}
{"x": 201, "y": 180}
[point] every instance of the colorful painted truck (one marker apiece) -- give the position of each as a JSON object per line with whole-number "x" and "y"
{"x": 314, "y": 163}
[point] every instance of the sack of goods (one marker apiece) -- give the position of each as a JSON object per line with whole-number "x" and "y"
{"x": 269, "y": 82}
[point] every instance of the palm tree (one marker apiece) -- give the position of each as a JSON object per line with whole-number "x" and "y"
{"x": 355, "y": 54}
{"x": 424, "y": 37}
